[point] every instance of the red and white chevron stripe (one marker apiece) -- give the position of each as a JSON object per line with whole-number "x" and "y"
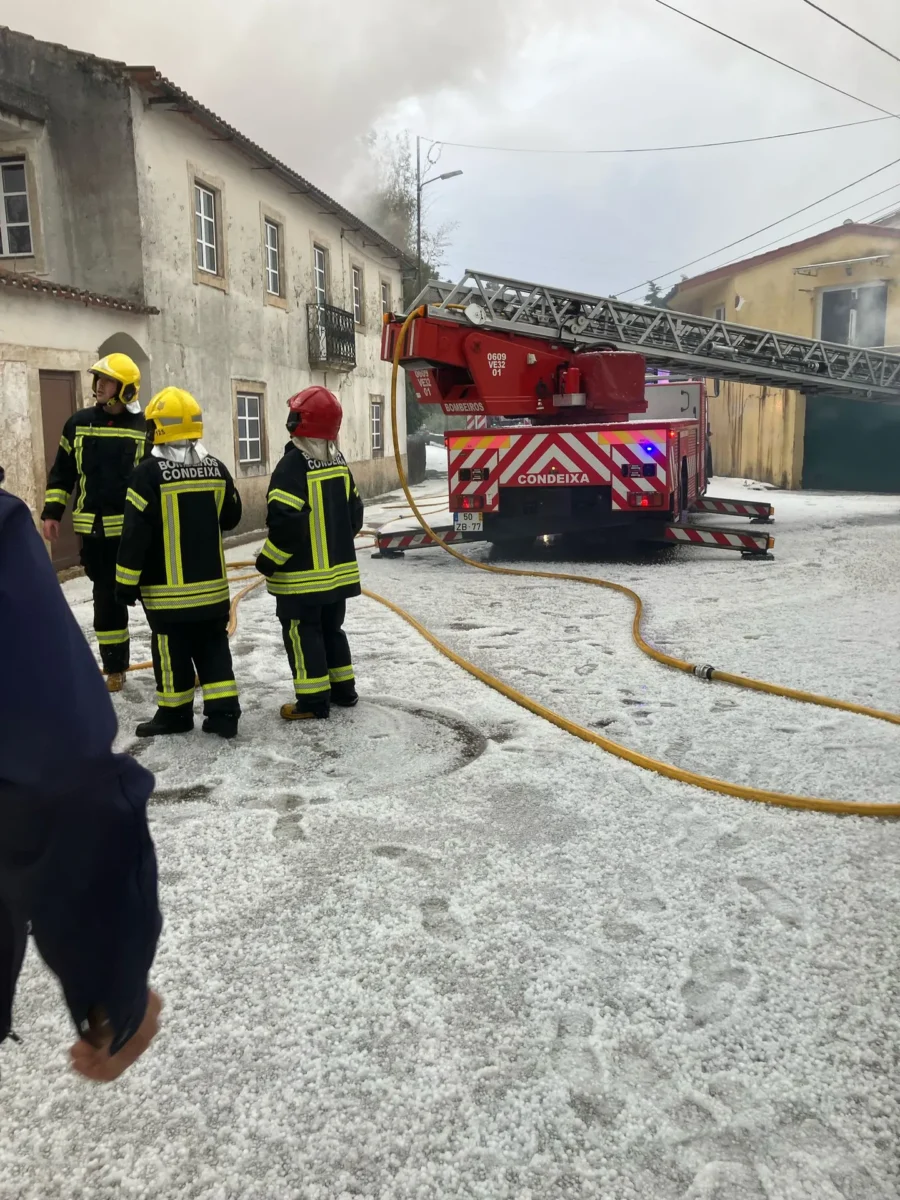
{"x": 734, "y": 508}
{"x": 723, "y": 539}
{"x": 414, "y": 541}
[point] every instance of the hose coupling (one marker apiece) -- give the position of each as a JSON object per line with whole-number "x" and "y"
{"x": 704, "y": 672}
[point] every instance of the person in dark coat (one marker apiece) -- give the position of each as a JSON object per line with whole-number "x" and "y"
{"x": 77, "y": 864}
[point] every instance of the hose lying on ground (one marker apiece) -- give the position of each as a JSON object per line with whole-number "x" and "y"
{"x": 859, "y": 808}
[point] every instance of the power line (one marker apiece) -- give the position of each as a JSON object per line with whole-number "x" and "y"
{"x": 769, "y": 137}
{"x": 780, "y": 241}
{"x": 850, "y": 29}
{"x": 764, "y": 229}
{"x": 762, "y": 53}
{"x": 890, "y": 211}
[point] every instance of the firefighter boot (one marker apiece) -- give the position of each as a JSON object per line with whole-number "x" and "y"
{"x": 115, "y": 681}
{"x": 306, "y": 710}
{"x": 224, "y": 724}
{"x": 165, "y": 721}
{"x": 344, "y": 695}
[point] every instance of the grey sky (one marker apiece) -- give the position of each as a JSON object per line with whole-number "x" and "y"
{"x": 308, "y": 78}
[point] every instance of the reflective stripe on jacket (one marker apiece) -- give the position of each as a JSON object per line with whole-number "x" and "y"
{"x": 314, "y": 513}
{"x": 171, "y": 549}
{"x": 96, "y": 456}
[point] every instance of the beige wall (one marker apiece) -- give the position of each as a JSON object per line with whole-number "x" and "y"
{"x": 757, "y": 432}
{"x": 41, "y": 333}
{"x": 209, "y": 336}
{"x": 775, "y": 298}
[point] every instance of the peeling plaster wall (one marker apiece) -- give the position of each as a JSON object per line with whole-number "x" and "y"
{"x": 210, "y": 335}
{"x": 41, "y": 333}
{"x": 81, "y": 159}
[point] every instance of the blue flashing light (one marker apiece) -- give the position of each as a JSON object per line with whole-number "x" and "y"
{"x": 648, "y": 447}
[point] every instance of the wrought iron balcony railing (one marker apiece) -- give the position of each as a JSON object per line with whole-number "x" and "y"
{"x": 332, "y": 338}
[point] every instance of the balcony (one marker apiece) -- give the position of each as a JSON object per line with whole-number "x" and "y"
{"x": 332, "y": 338}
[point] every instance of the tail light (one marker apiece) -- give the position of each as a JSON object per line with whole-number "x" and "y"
{"x": 472, "y": 503}
{"x": 645, "y": 499}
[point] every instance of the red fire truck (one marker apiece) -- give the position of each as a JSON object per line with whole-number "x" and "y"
{"x": 577, "y": 441}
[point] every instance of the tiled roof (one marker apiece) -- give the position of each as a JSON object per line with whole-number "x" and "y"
{"x": 757, "y": 260}
{"x": 162, "y": 90}
{"x": 61, "y": 291}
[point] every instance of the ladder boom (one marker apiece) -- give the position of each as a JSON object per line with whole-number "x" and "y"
{"x": 673, "y": 340}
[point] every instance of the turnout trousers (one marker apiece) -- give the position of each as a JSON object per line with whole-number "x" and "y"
{"x": 317, "y": 649}
{"x": 185, "y": 650}
{"x": 98, "y": 557}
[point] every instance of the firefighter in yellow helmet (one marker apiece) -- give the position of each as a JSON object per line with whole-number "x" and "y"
{"x": 99, "y": 448}
{"x": 179, "y": 501}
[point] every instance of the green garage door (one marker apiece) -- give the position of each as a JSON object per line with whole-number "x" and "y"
{"x": 851, "y": 445}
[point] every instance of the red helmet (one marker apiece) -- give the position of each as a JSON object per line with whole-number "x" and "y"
{"x": 314, "y": 413}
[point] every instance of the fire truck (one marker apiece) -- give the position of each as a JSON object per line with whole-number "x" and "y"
{"x": 574, "y": 440}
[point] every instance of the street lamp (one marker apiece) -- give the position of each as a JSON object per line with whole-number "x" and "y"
{"x": 420, "y": 184}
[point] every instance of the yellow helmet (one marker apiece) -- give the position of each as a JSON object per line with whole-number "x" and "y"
{"x": 124, "y": 371}
{"x": 176, "y": 415}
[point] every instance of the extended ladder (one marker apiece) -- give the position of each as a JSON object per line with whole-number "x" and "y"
{"x": 671, "y": 340}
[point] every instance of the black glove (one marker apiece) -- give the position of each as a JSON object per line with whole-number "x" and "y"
{"x": 265, "y": 566}
{"x": 127, "y": 595}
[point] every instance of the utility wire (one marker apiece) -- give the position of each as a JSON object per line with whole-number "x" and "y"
{"x": 850, "y": 29}
{"x": 769, "y": 137}
{"x": 762, "y": 53}
{"x": 891, "y": 211}
{"x": 803, "y": 228}
{"x": 764, "y": 229}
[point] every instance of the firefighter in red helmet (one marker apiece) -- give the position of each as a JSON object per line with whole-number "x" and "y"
{"x": 309, "y": 559}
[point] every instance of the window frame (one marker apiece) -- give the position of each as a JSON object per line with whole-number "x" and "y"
{"x": 201, "y": 243}
{"x": 386, "y": 306}
{"x": 842, "y": 287}
{"x": 249, "y": 389}
{"x": 358, "y": 295}
{"x": 202, "y": 180}
{"x": 16, "y": 160}
{"x": 273, "y": 272}
{"x": 325, "y": 291}
{"x": 376, "y": 426}
{"x": 269, "y": 216}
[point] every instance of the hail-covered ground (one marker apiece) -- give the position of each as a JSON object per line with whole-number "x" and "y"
{"x": 436, "y": 947}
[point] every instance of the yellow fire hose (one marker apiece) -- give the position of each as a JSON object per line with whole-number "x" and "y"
{"x": 783, "y": 799}
{"x": 707, "y": 782}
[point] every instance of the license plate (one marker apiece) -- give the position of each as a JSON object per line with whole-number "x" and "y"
{"x": 468, "y": 522}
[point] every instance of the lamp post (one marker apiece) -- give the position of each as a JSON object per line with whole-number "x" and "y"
{"x": 420, "y": 184}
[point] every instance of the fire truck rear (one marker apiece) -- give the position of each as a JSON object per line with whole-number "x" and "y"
{"x": 577, "y": 442}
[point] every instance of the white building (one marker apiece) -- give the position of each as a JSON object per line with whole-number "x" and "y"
{"x": 135, "y": 219}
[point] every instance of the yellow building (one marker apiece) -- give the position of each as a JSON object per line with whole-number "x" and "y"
{"x": 841, "y": 286}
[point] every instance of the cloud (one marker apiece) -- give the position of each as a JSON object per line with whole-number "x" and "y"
{"x": 308, "y": 79}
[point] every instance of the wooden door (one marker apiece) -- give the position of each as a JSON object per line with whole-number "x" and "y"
{"x": 57, "y": 405}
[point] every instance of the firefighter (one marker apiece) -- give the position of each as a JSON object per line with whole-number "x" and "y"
{"x": 309, "y": 558}
{"x": 98, "y": 450}
{"x": 179, "y": 501}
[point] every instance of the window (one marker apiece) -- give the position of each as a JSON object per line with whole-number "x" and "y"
{"x": 205, "y": 226}
{"x": 273, "y": 258}
{"x": 719, "y": 314}
{"x": 377, "y": 427}
{"x": 854, "y": 316}
{"x": 320, "y": 274}
{"x": 385, "y": 297}
{"x": 356, "y": 275}
{"x": 15, "y": 219}
{"x": 249, "y": 428}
